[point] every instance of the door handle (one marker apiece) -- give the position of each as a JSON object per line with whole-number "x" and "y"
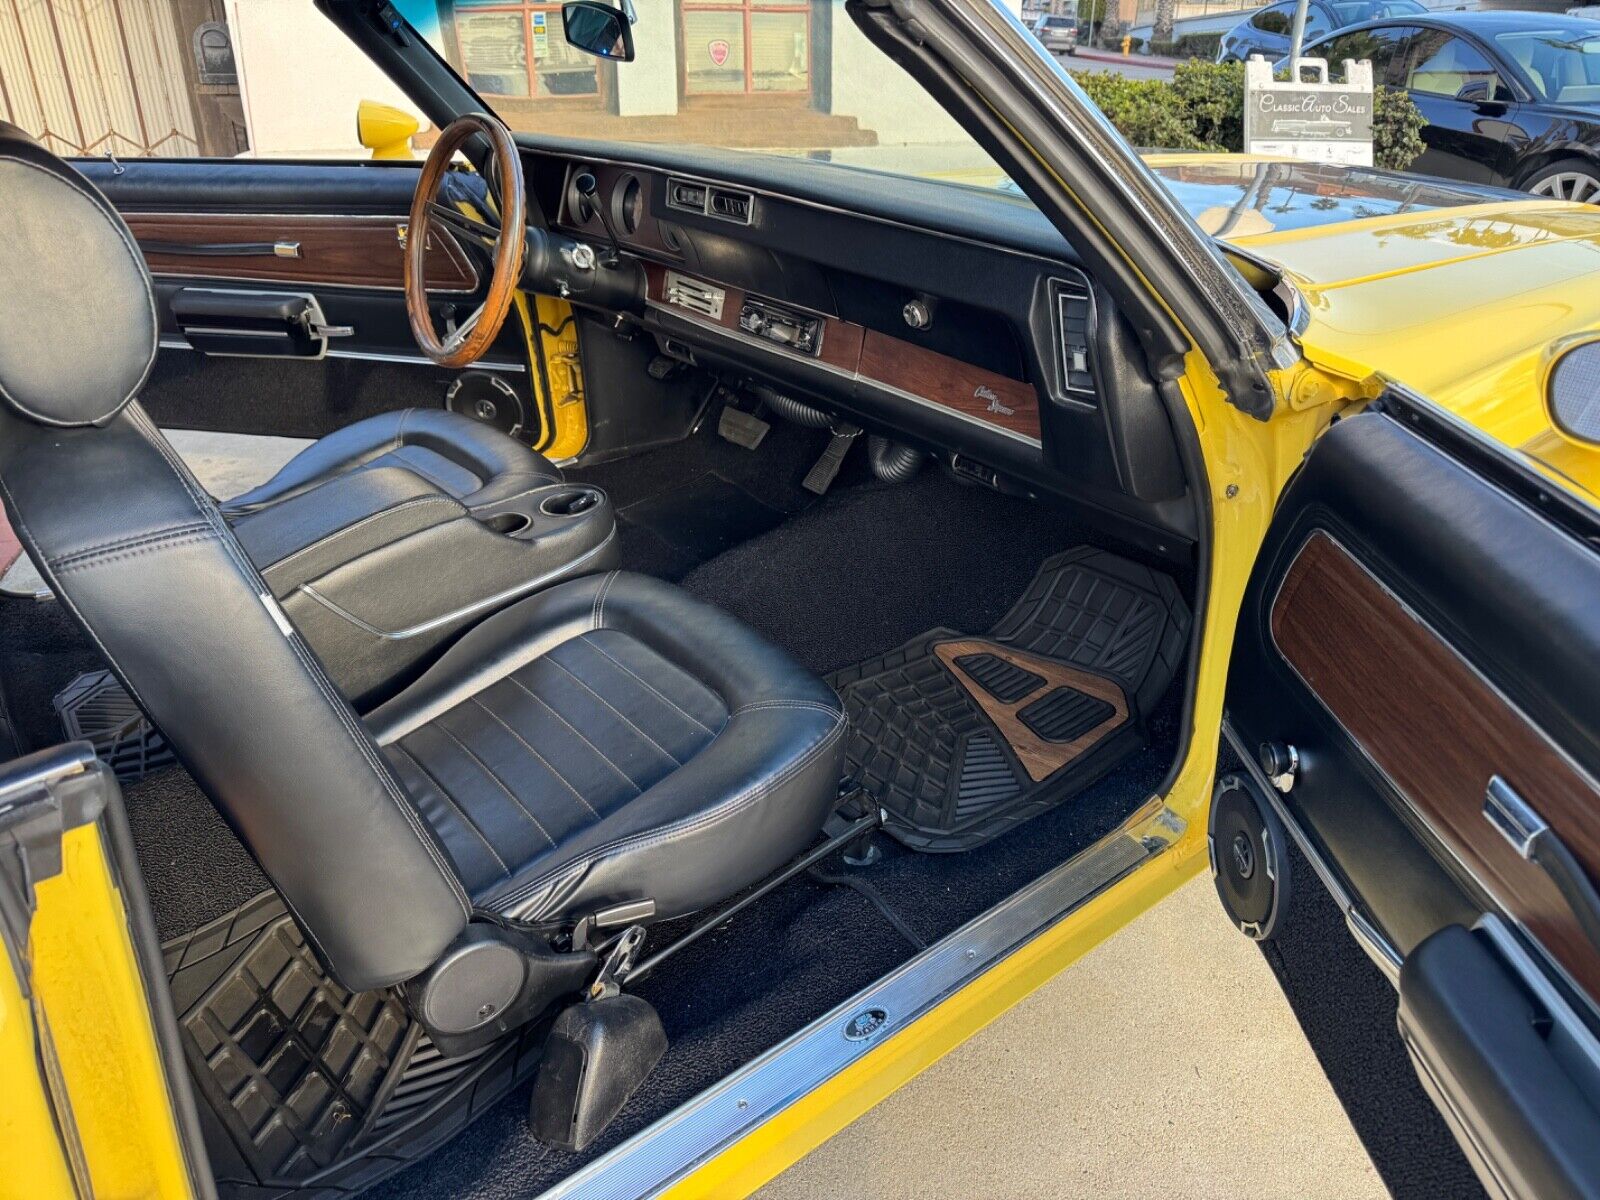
{"x": 279, "y": 249}
{"x": 1530, "y": 836}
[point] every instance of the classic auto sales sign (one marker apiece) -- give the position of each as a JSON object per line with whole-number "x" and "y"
{"x": 1321, "y": 121}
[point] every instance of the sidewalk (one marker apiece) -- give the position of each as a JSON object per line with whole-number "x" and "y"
{"x": 1149, "y": 62}
{"x": 1166, "y": 1062}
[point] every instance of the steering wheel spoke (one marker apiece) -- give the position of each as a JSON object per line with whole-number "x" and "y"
{"x": 467, "y": 342}
{"x": 457, "y": 337}
{"x": 459, "y": 223}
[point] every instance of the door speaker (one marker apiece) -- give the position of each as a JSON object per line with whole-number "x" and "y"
{"x": 487, "y": 398}
{"x": 1249, "y": 857}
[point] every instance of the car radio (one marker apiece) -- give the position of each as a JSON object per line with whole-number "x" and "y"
{"x": 797, "y": 331}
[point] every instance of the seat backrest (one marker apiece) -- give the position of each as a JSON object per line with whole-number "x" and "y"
{"x": 142, "y": 559}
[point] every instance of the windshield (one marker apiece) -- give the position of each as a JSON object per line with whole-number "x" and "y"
{"x": 1562, "y": 65}
{"x": 764, "y": 76}
{"x": 1371, "y": 10}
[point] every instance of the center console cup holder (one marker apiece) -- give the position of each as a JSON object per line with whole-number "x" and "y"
{"x": 508, "y": 523}
{"x": 570, "y": 502}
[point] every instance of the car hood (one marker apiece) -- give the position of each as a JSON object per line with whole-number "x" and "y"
{"x": 1453, "y": 291}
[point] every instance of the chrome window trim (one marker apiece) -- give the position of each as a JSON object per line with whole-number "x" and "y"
{"x": 675, "y": 1145}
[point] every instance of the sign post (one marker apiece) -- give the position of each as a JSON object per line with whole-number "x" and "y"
{"x": 1317, "y": 120}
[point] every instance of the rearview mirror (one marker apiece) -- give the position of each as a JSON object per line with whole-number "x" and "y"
{"x": 599, "y": 29}
{"x": 1572, "y": 392}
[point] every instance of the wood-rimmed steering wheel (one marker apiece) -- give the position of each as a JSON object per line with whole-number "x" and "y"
{"x": 504, "y": 242}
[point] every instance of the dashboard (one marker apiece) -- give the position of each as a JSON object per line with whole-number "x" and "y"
{"x": 949, "y": 317}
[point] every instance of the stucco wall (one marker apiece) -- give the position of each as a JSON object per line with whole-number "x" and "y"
{"x": 300, "y": 80}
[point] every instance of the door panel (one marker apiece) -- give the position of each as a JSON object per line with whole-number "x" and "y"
{"x": 328, "y": 230}
{"x": 1416, "y": 628}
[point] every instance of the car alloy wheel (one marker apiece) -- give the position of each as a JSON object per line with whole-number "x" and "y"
{"x": 1568, "y": 185}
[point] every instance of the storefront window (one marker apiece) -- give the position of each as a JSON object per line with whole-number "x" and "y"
{"x": 791, "y": 77}
{"x": 515, "y": 49}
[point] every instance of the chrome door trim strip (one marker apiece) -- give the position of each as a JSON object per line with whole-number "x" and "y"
{"x": 1368, "y": 936}
{"x": 695, "y": 1132}
{"x": 175, "y": 343}
{"x": 852, "y": 376}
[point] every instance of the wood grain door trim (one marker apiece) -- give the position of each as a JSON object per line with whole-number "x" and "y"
{"x": 1039, "y": 757}
{"x": 1437, "y": 731}
{"x": 914, "y": 371}
{"x": 335, "y": 250}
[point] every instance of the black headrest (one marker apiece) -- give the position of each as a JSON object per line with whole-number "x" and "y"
{"x": 78, "y": 326}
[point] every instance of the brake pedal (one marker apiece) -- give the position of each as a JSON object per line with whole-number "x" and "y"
{"x": 821, "y": 476}
{"x": 741, "y": 428}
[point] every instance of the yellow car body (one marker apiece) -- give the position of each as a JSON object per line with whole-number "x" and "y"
{"x": 1459, "y": 302}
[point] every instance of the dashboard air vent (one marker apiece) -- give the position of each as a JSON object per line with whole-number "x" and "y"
{"x": 731, "y": 205}
{"x": 695, "y": 295}
{"x": 1074, "y": 329}
{"x": 682, "y": 194}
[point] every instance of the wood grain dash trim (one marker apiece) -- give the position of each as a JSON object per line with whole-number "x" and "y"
{"x": 1040, "y": 758}
{"x": 1438, "y": 731}
{"x": 874, "y": 357}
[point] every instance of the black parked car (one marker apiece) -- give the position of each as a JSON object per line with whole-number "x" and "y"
{"x": 1266, "y": 31}
{"x": 1511, "y": 98}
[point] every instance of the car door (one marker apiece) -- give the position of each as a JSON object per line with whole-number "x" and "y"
{"x": 1413, "y": 694}
{"x": 1267, "y": 33}
{"x": 240, "y": 249}
{"x": 1466, "y": 103}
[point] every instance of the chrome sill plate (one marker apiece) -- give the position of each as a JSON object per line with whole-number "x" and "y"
{"x": 656, "y": 1157}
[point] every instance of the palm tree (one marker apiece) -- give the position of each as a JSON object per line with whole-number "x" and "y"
{"x": 1166, "y": 12}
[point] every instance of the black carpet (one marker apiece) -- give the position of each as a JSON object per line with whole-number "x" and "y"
{"x": 194, "y": 868}
{"x": 668, "y": 500}
{"x": 873, "y": 567}
{"x": 41, "y": 651}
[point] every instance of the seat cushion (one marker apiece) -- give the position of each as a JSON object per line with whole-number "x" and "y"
{"x": 450, "y": 453}
{"x": 615, "y": 739}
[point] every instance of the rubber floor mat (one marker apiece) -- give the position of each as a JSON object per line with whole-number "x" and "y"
{"x": 963, "y": 737}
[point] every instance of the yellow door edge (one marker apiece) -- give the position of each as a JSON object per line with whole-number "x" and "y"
{"x": 98, "y": 1054}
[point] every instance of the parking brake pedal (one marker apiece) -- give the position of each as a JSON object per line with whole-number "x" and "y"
{"x": 741, "y": 428}
{"x": 821, "y": 476}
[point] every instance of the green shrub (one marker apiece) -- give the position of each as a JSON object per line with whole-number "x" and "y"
{"x": 1142, "y": 109}
{"x": 1202, "y": 108}
{"x": 1396, "y": 129}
